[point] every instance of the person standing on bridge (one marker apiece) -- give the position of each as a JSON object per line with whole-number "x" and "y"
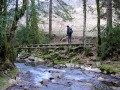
{"x": 69, "y": 33}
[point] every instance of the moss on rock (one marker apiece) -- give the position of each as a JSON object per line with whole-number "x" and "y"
{"x": 109, "y": 69}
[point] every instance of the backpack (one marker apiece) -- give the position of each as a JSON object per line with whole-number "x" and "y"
{"x": 70, "y": 30}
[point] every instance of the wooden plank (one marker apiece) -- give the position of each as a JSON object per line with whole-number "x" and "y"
{"x": 39, "y": 46}
{"x": 35, "y": 45}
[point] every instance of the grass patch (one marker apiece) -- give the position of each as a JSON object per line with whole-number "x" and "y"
{"x": 13, "y": 73}
{"x": 3, "y": 82}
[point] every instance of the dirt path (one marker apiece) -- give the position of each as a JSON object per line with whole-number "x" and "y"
{"x": 75, "y": 40}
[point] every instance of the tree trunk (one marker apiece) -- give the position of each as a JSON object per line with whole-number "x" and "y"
{"x": 18, "y": 14}
{"x": 1, "y": 6}
{"x": 98, "y": 25}
{"x": 3, "y": 38}
{"x": 27, "y": 15}
{"x": 109, "y": 16}
{"x": 50, "y": 18}
{"x": 84, "y": 22}
{"x": 6, "y": 45}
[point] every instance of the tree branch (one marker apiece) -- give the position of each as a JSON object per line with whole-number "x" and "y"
{"x": 18, "y": 14}
{"x": 64, "y": 8}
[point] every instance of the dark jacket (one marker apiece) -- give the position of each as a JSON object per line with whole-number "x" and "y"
{"x": 68, "y": 31}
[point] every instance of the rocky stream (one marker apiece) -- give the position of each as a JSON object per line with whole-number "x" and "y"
{"x": 48, "y": 78}
{"x": 60, "y": 68}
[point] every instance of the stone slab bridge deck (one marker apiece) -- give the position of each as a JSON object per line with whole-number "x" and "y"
{"x": 40, "y": 46}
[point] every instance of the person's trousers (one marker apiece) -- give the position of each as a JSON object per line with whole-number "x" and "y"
{"x": 69, "y": 38}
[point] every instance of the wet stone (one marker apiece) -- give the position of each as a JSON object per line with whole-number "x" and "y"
{"x": 44, "y": 82}
{"x": 112, "y": 82}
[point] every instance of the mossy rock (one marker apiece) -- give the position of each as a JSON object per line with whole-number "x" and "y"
{"x": 98, "y": 58}
{"x": 115, "y": 58}
{"x": 50, "y": 51}
{"x": 76, "y": 49}
{"x": 25, "y": 55}
{"x": 72, "y": 49}
{"x": 45, "y": 51}
{"x": 72, "y": 54}
{"x": 59, "y": 48}
{"x": 63, "y": 56}
{"x": 109, "y": 69}
{"x": 62, "y": 52}
{"x": 39, "y": 55}
{"x": 51, "y": 56}
{"x": 76, "y": 60}
{"x": 47, "y": 56}
{"x": 59, "y": 62}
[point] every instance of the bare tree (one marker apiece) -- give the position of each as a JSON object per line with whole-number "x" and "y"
{"x": 109, "y": 16}
{"x": 98, "y": 25}
{"x": 84, "y": 22}
{"x": 50, "y": 18}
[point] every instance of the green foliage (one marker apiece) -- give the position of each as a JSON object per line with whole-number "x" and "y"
{"x": 116, "y": 5}
{"x": 76, "y": 60}
{"x": 13, "y": 73}
{"x": 105, "y": 50}
{"x": 45, "y": 39}
{"x": 86, "y": 51}
{"x": 111, "y": 42}
{"x": 30, "y": 34}
{"x": 25, "y": 36}
{"x": 98, "y": 59}
{"x": 104, "y": 67}
{"x": 3, "y": 38}
{"x": 115, "y": 58}
{"x": 34, "y": 22}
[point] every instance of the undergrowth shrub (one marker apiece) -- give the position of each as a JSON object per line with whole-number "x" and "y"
{"x": 110, "y": 43}
{"x": 25, "y": 36}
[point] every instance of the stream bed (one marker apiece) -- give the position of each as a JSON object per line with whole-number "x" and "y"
{"x": 48, "y": 78}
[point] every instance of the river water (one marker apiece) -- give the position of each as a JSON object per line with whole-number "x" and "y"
{"x": 48, "y": 78}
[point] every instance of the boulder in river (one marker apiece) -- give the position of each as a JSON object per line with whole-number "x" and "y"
{"x": 57, "y": 75}
{"x": 101, "y": 79}
{"x": 12, "y": 81}
{"x": 35, "y": 62}
{"x": 44, "y": 82}
{"x": 38, "y": 85}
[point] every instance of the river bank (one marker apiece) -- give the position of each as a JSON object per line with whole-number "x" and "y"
{"x": 6, "y": 79}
